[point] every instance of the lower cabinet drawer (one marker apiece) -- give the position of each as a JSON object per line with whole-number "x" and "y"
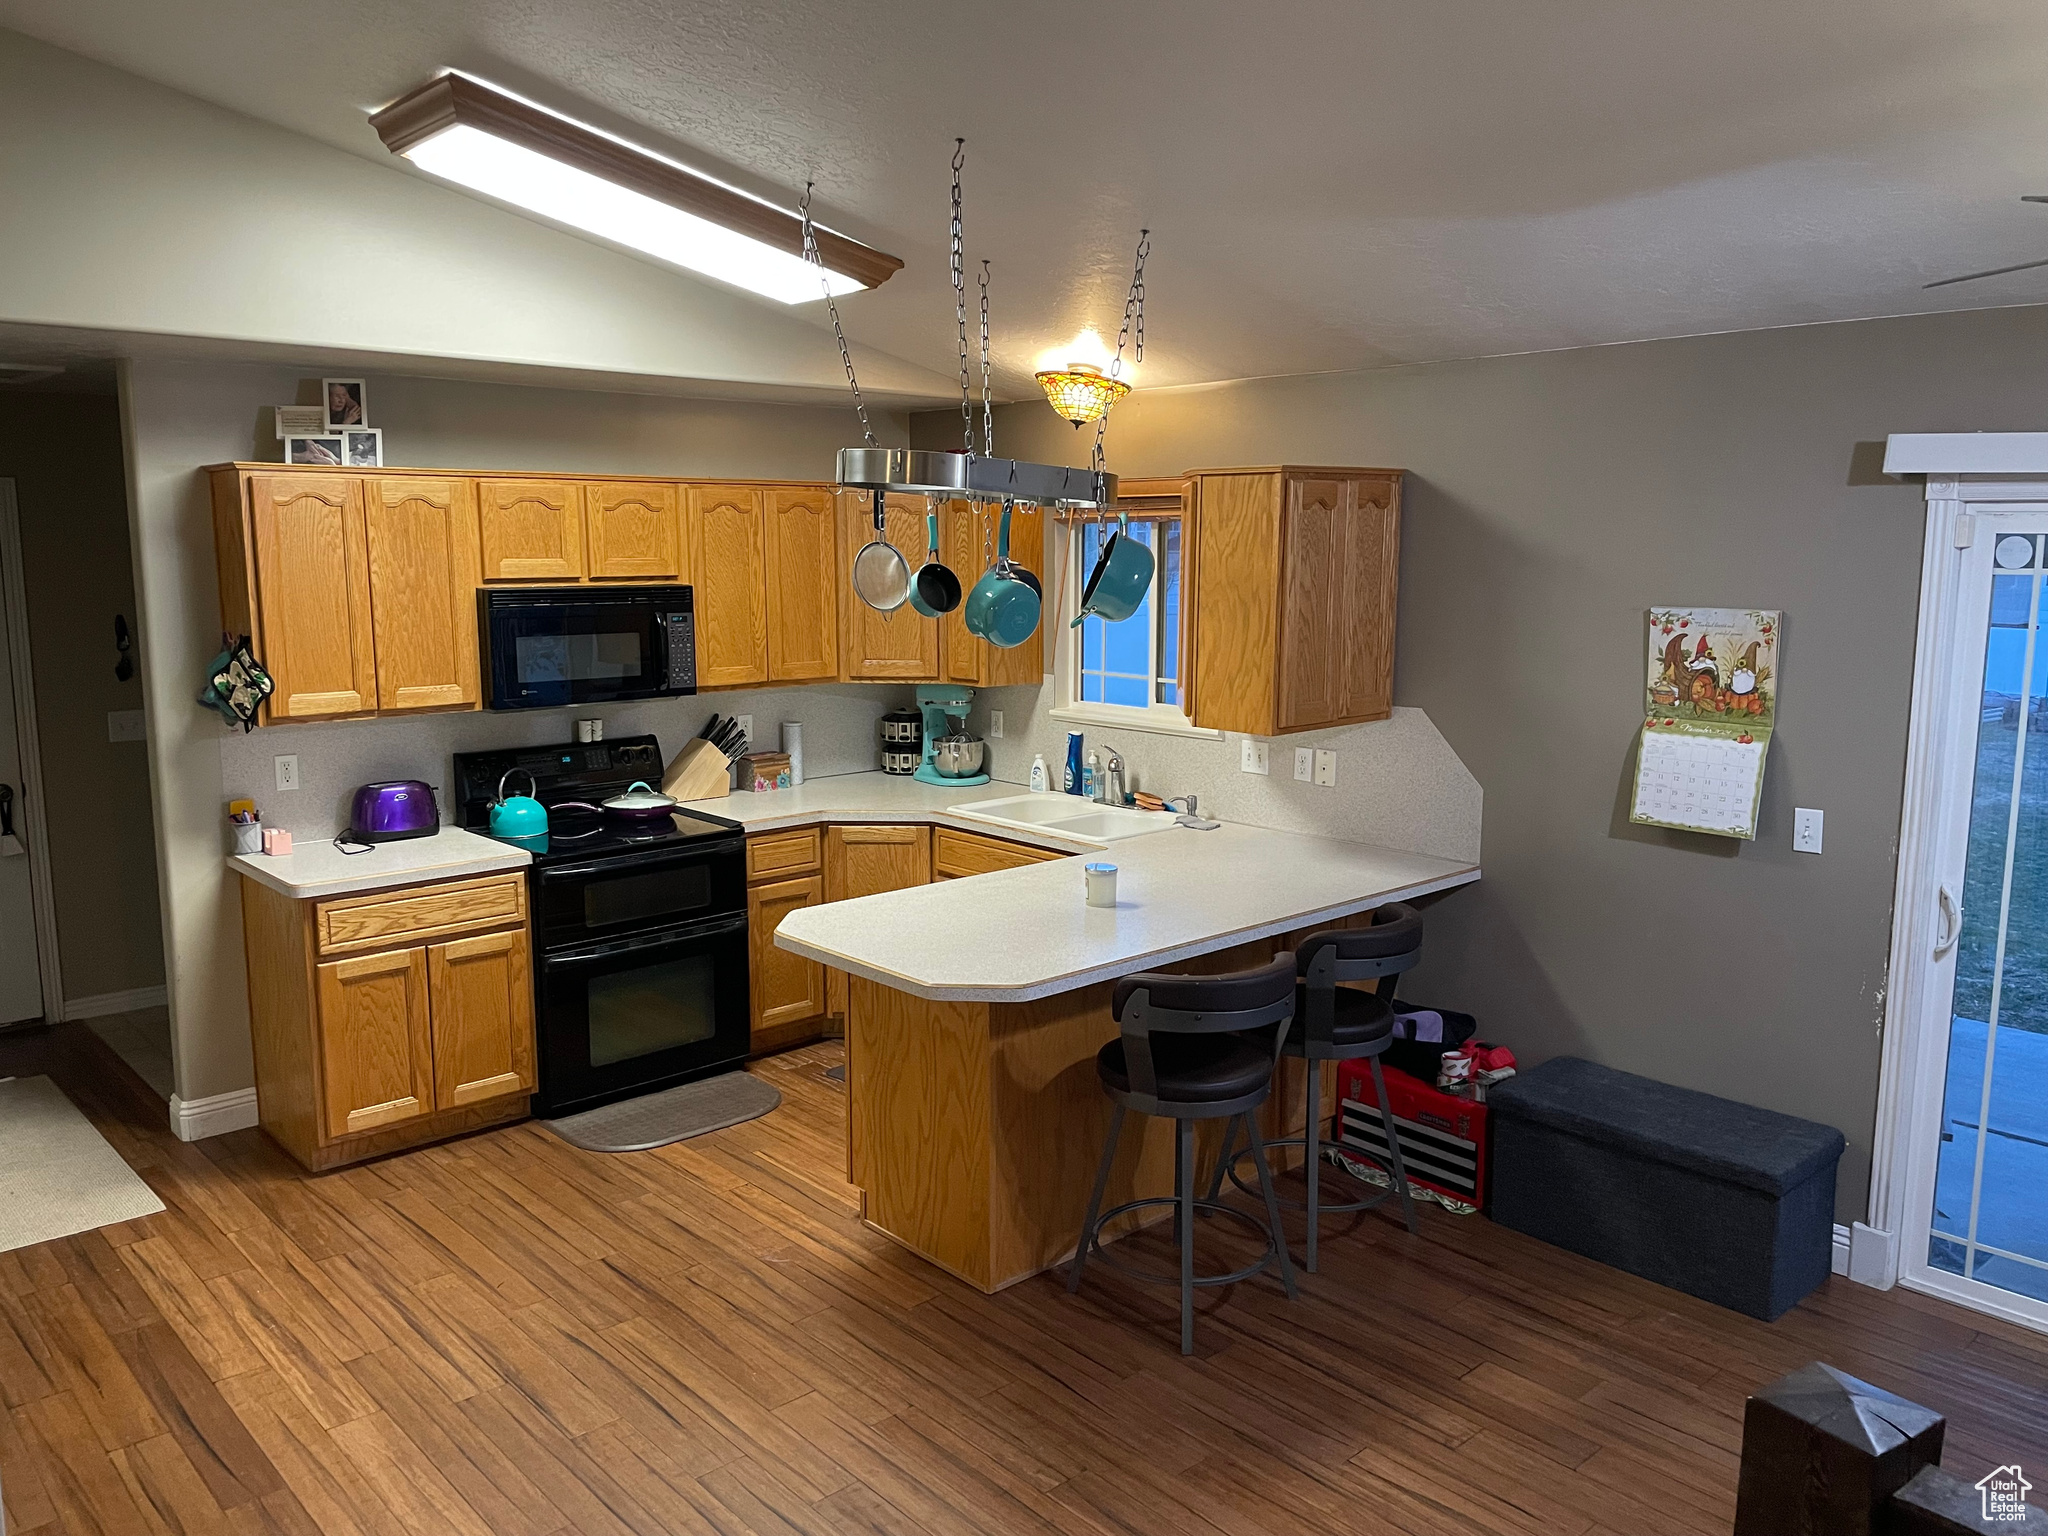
{"x": 955, "y": 854}
{"x": 778, "y": 855}
{"x": 383, "y": 919}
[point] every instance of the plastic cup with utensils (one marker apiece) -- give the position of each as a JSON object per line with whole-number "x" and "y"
{"x": 1101, "y": 879}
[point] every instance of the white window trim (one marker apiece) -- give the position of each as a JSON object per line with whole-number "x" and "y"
{"x": 1069, "y": 707}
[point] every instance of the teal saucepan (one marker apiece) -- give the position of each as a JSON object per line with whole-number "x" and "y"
{"x": 1003, "y": 607}
{"x": 934, "y": 589}
{"x": 1121, "y": 578}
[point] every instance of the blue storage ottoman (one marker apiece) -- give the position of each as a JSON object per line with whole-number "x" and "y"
{"x": 1725, "y": 1201}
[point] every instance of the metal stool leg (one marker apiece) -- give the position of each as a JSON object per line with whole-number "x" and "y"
{"x": 1116, "y": 1129}
{"x": 1184, "y": 1212}
{"x": 1181, "y": 1158}
{"x": 1223, "y": 1159}
{"x": 1379, "y": 1084}
{"x": 1251, "y": 1127}
{"x": 1312, "y": 1142}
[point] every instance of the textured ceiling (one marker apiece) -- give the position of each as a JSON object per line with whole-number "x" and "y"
{"x": 1331, "y": 184}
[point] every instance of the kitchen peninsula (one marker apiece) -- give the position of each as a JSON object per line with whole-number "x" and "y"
{"x": 974, "y": 1116}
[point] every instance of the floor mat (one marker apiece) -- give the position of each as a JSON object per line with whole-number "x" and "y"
{"x": 58, "y": 1175}
{"x": 674, "y": 1114}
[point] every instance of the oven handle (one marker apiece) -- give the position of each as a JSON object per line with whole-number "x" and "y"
{"x": 737, "y": 843}
{"x": 667, "y": 938}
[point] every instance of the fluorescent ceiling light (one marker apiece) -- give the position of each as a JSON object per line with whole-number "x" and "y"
{"x": 494, "y": 143}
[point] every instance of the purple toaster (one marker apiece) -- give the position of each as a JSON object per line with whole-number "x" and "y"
{"x": 384, "y": 813}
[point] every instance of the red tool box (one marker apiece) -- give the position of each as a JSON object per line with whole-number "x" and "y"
{"x": 1443, "y": 1135}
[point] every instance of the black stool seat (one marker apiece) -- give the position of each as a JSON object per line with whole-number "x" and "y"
{"x": 1193, "y": 1069}
{"x": 1361, "y": 1019}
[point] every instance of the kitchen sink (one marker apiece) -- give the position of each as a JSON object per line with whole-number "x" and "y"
{"x": 1068, "y": 815}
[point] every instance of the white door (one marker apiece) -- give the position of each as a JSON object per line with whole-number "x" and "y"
{"x": 21, "y": 984}
{"x": 1978, "y": 1207}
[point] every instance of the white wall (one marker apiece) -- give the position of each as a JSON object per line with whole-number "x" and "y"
{"x": 133, "y": 208}
{"x": 178, "y": 417}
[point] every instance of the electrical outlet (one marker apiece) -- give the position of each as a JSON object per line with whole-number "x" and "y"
{"x": 1806, "y": 831}
{"x": 288, "y": 771}
{"x": 125, "y": 725}
{"x": 747, "y": 730}
{"x": 1326, "y": 767}
{"x": 995, "y": 725}
{"x": 1304, "y": 764}
{"x": 1252, "y": 756}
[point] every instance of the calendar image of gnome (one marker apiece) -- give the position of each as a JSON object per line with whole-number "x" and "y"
{"x": 1705, "y": 672}
{"x": 1708, "y": 711}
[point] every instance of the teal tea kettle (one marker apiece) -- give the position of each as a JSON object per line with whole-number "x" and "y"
{"x": 518, "y": 815}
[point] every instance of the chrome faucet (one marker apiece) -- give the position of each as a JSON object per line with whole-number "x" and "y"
{"x": 1109, "y": 785}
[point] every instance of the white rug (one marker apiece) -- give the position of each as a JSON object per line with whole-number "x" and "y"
{"x": 57, "y": 1174}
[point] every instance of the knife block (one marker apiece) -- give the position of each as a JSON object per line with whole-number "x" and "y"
{"x": 698, "y": 772}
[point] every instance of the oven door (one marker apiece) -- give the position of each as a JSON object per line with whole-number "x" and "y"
{"x": 627, "y": 1016}
{"x": 553, "y": 646}
{"x": 619, "y": 894}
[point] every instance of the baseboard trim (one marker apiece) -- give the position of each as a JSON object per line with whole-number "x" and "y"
{"x": 197, "y": 1119}
{"x": 1841, "y": 1261}
{"x": 103, "y": 1003}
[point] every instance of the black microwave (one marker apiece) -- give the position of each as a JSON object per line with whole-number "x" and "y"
{"x": 544, "y": 647}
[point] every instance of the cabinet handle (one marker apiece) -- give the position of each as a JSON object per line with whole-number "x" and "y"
{"x": 1951, "y": 913}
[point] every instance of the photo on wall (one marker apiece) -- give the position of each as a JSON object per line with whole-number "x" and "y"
{"x": 327, "y": 450}
{"x": 347, "y": 402}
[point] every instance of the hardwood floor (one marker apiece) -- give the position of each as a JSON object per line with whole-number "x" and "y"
{"x": 506, "y": 1335}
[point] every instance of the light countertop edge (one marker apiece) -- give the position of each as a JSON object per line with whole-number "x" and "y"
{"x": 1125, "y": 966}
{"x": 315, "y": 869}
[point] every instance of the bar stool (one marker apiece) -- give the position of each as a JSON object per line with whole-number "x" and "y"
{"x": 1184, "y": 1053}
{"x": 1341, "y": 1024}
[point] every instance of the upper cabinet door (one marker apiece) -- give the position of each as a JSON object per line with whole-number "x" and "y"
{"x": 530, "y": 530}
{"x": 727, "y": 571}
{"x": 966, "y": 656}
{"x": 1021, "y": 664}
{"x": 1372, "y": 579}
{"x": 422, "y": 592}
{"x": 1314, "y": 601}
{"x": 482, "y": 993}
{"x": 313, "y": 597}
{"x": 802, "y": 548}
{"x": 635, "y": 530}
{"x": 898, "y": 646}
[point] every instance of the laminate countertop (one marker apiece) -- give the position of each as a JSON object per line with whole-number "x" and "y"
{"x": 315, "y": 869}
{"x": 875, "y": 797}
{"x": 1019, "y": 934}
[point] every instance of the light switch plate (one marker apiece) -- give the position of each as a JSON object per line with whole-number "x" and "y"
{"x": 288, "y": 771}
{"x": 1326, "y": 767}
{"x": 1251, "y": 756}
{"x": 995, "y": 725}
{"x": 1806, "y": 827}
{"x": 1304, "y": 765}
{"x": 125, "y": 725}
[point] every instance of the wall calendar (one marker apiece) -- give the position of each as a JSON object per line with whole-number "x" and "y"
{"x": 1709, "y": 706}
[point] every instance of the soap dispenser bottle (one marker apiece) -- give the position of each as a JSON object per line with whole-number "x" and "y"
{"x": 1038, "y": 774}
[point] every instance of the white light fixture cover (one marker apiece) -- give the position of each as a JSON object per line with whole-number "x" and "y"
{"x": 506, "y": 148}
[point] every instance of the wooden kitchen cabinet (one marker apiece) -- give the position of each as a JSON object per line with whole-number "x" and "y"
{"x": 865, "y": 861}
{"x": 309, "y": 614}
{"x": 422, "y": 579}
{"x": 633, "y": 530}
{"x": 788, "y": 990}
{"x": 901, "y": 646}
{"x": 967, "y": 536}
{"x": 530, "y": 530}
{"x": 388, "y": 1019}
{"x": 482, "y": 991}
{"x": 956, "y": 854}
{"x": 801, "y": 576}
{"x": 1290, "y": 577}
{"x": 728, "y": 565}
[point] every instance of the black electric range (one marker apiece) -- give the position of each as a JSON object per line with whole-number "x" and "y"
{"x": 640, "y": 929}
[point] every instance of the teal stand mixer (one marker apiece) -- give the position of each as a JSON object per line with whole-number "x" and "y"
{"x": 937, "y": 704}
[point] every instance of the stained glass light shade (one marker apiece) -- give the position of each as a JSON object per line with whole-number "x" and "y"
{"x": 1081, "y": 393}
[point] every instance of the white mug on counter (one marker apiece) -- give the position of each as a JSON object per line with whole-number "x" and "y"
{"x": 1101, "y": 880}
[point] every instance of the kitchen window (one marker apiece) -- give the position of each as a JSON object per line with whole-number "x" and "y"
{"x": 1127, "y": 674}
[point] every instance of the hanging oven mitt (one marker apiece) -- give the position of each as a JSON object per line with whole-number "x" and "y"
{"x": 237, "y": 685}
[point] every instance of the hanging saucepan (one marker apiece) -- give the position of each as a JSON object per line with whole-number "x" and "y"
{"x": 934, "y": 589}
{"x": 1121, "y": 578}
{"x": 1003, "y": 607}
{"x": 640, "y": 804}
{"x": 881, "y": 576}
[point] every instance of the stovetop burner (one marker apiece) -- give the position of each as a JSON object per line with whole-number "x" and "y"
{"x": 580, "y": 771}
